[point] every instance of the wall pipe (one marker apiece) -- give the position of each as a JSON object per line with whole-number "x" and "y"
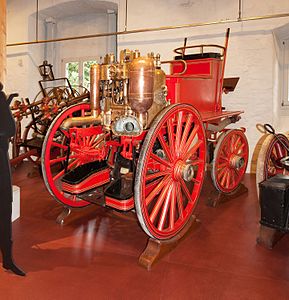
{"x": 37, "y": 19}
{"x": 240, "y": 10}
{"x": 162, "y": 28}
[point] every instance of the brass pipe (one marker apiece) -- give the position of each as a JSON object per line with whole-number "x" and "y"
{"x": 162, "y": 28}
{"x": 94, "y": 89}
{"x": 95, "y": 117}
{"x": 80, "y": 121}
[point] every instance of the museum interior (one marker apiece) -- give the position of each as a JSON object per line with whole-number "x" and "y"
{"x": 150, "y": 153}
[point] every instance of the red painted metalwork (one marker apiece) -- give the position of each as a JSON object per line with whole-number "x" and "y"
{"x": 95, "y": 180}
{"x": 154, "y": 155}
{"x": 230, "y": 160}
{"x": 275, "y": 152}
{"x": 123, "y": 205}
{"x": 199, "y": 85}
{"x": 177, "y": 166}
{"x": 54, "y": 155}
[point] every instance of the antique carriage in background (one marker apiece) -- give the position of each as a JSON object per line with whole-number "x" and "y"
{"x": 54, "y": 96}
{"x": 273, "y": 157}
{"x": 143, "y": 141}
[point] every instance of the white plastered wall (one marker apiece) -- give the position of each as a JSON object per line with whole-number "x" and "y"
{"x": 251, "y": 53}
{"x": 56, "y": 19}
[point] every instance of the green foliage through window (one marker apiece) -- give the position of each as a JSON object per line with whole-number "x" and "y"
{"x": 72, "y": 73}
{"x": 86, "y": 72}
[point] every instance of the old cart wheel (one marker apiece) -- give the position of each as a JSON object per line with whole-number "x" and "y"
{"x": 33, "y": 137}
{"x": 271, "y": 152}
{"x": 230, "y": 160}
{"x": 54, "y": 155}
{"x": 170, "y": 171}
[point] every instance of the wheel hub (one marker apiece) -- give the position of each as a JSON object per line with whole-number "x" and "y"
{"x": 236, "y": 161}
{"x": 188, "y": 173}
{"x": 184, "y": 171}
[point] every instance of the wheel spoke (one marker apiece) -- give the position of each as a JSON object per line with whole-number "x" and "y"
{"x": 192, "y": 150}
{"x": 238, "y": 140}
{"x": 165, "y": 147}
{"x": 179, "y": 131}
{"x": 66, "y": 133}
{"x": 241, "y": 147}
{"x": 185, "y": 190}
{"x": 190, "y": 139}
{"x": 160, "y": 160}
{"x": 231, "y": 143}
{"x": 221, "y": 173}
{"x": 221, "y": 166}
{"x": 223, "y": 181}
{"x": 60, "y": 159}
{"x": 159, "y": 203}
{"x": 186, "y": 132}
{"x": 172, "y": 207}
{"x": 61, "y": 146}
{"x": 170, "y": 127}
{"x": 156, "y": 175}
{"x": 92, "y": 139}
{"x": 164, "y": 212}
{"x": 179, "y": 201}
{"x": 228, "y": 179}
{"x": 156, "y": 190}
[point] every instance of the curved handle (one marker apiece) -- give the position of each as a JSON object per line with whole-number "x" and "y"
{"x": 179, "y": 60}
{"x": 11, "y": 97}
{"x": 269, "y": 128}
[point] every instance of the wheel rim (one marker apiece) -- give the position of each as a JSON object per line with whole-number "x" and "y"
{"x": 268, "y": 163}
{"x": 54, "y": 156}
{"x": 230, "y": 161}
{"x": 170, "y": 171}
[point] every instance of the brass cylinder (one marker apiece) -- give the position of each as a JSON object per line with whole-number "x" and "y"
{"x": 141, "y": 84}
{"x": 94, "y": 89}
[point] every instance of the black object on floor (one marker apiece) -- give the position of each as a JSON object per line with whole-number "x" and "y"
{"x": 274, "y": 202}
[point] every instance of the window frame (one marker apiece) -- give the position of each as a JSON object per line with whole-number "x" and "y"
{"x": 81, "y": 61}
{"x": 285, "y": 73}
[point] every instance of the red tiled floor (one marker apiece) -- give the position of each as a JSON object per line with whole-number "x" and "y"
{"x": 94, "y": 256}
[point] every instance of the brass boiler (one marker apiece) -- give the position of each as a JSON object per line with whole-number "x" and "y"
{"x": 141, "y": 84}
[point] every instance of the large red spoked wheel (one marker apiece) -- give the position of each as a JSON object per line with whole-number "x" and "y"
{"x": 271, "y": 152}
{"x": 230, "y": 160}
{"x": 54, "y": 155}
{"x": 170, "y": 171}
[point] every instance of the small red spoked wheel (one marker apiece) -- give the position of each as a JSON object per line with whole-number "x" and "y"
{"x": 54, "y": 155}
{"x": 170, "y": 171}
{"x": 230, "y": 160}
{"x": 271, "y": 152}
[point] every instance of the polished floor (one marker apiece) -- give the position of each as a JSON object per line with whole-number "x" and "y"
{"x": 95, "y": 254}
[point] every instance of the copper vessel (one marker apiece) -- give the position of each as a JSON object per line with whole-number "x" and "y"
{"x": 141, "y": 84}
